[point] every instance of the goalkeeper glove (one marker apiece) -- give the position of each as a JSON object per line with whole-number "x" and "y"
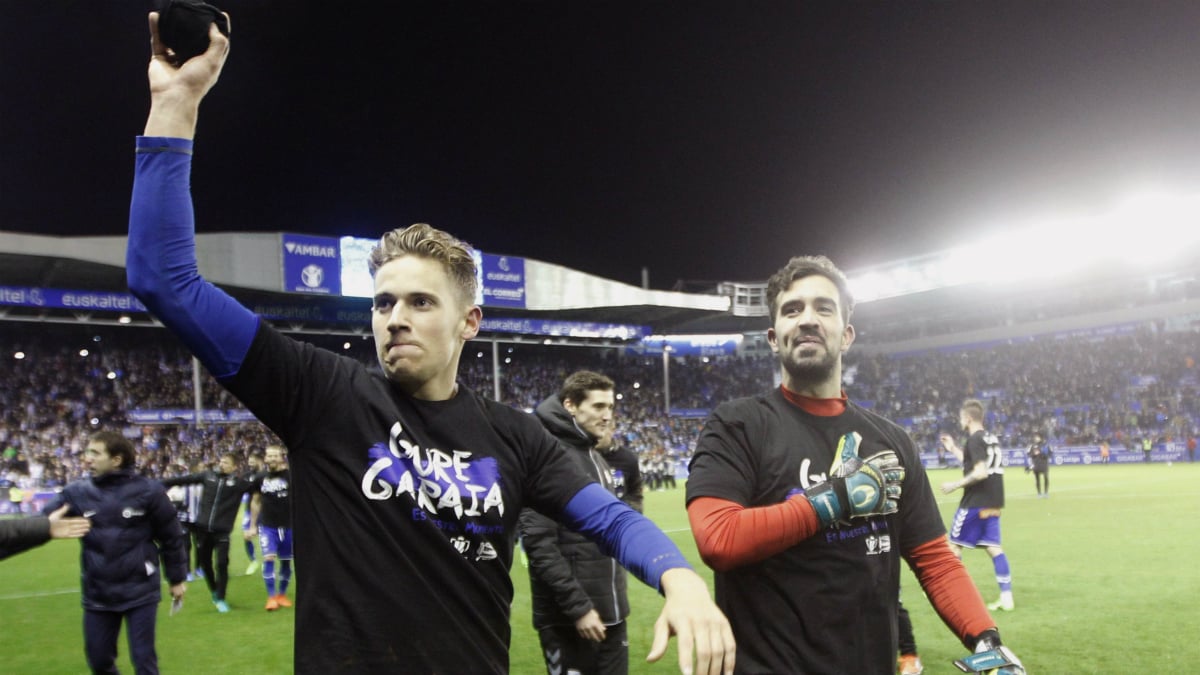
{"x": 991, "y": 657}
{"x": 858, "y": 487}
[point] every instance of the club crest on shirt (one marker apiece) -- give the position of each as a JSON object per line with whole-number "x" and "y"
{"x": 443, "y": 484}
{"x": 877, "y": 544}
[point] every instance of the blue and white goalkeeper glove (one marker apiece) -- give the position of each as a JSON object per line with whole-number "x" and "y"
{"x": 991, "y": 657}
{"x": 858, "y": 488}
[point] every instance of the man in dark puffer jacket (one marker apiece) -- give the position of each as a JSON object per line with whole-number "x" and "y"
{"x": 579, "y": 597}
{"x": 133, "y": 525}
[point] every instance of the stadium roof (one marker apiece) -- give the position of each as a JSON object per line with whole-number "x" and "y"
{"x": 234, "y": 262}
{"x": 1099, "y": 295}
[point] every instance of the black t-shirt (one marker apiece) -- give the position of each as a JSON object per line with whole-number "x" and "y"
{"x": 404, "y": 511}
{"x": 984, "y": 447}
{"x": 827, "y": 604}
{"x": 276, "y": 503}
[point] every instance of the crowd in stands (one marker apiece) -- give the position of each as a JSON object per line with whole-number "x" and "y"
{"x": 71, "y": 380}
{"x": 1075, "y": 391}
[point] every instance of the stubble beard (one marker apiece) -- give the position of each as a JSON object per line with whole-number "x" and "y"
{"x": 810, "y": 371}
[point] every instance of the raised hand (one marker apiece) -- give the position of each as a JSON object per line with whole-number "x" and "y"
{"x": 177, "y": 89}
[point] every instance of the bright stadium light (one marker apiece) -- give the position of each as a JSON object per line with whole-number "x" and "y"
{"x": 959, "y": 268}
{"x": 19, "y": 355}
{"x": 1146, "y": 228}
{"x": 870, "y": 286}
{"x": 1149, "y": 226}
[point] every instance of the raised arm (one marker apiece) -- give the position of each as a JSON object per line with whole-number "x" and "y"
{"x": 161, "y": 257}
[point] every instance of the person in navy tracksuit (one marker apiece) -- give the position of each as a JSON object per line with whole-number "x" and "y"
{"x": 133, "y": 528}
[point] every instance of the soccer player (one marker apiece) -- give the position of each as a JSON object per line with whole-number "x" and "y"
{"x": 580, "y": 601}
{"x": 271, "y": 519}
{"x": 1040, "y": 455}
{"x": 219, "y": 502}
{"x": 134, "y": 534}
{"x": 22, "y": 534}
{"x": 977, "y": 521}
{"x": 406, "y": 485}
{"x": 255, "y": 467}
{"x": 804, "y": 504}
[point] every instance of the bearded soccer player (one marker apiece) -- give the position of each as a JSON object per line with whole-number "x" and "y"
{"x": 406, "y": 485}
{"x": 804, "y": 504}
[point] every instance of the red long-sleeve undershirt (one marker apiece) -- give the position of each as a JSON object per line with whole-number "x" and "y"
{"x": 729, "y": 535}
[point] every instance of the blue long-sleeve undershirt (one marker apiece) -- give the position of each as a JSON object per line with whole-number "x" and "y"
{"x": 622, "y": 533}
{"x": 160, "y": 261}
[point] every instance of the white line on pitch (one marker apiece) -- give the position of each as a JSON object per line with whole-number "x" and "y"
{"x": 26, "y": 596}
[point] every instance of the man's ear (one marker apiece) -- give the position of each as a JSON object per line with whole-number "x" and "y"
{"x": 848, "y": 337}
{"x": 471, "y": 323}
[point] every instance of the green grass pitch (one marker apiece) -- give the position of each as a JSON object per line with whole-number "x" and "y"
{"x": 1104, "y": 575}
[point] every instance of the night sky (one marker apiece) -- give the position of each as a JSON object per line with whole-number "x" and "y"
{"x": 704, "y": 140}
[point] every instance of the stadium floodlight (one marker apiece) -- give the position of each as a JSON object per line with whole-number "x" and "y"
{"x": 958, "y": 268}
{"x": 1146, "y": 228}
{"x": 1150, "y": 226}
{"x": 867, "y": 287}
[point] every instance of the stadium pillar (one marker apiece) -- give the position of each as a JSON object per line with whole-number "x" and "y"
{"x": 496, "y": 370}
{"x": 197, "y": 393}
{"x": 667, "y": 379}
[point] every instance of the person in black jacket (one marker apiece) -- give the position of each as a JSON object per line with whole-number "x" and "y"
{"x": 219, "y": 503}
{"x": 22, "y": 534}
{"x": 133, "y": 527}
{"x": 579, "y": 594}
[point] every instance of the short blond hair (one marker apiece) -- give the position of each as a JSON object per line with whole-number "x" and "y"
{"x": 973, "y": 408}
{"x": 425, "y": 241}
